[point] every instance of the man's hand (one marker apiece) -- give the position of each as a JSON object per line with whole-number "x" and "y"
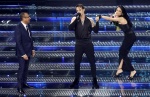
{"x": 25, "y": 57}
{"x": 72, "y": 20}
{"x": 98, "y": 17}
{"x": 33, "y": 53}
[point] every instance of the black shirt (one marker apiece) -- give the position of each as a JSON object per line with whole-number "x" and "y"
{"x": 83, "y": 31}
{"x": 125, "y": 28}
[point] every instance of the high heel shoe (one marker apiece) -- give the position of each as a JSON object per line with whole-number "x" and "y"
{"x": 75, "y": 83}
{"x": 95, "y": 84}
{"x": 118, "y": 74}
{"x": 131, "y": 77}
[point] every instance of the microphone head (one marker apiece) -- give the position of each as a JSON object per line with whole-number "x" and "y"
{"x": 77, "y": 14}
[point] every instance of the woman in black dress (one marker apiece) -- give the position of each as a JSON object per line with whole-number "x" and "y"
{"x": 122, "y": 20}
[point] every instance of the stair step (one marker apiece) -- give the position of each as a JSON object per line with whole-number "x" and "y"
{"x": 71, "y": 79}
{"x": 70, "y": 66}
{"x": 100, "y": 54}
{"x": 78, "y": 92}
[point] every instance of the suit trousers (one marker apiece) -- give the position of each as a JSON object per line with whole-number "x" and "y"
{"x": 22, "y": 71}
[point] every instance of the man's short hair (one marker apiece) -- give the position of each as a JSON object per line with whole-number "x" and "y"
{"x": 80, "y": 5}
{"x": 22, "y": 15}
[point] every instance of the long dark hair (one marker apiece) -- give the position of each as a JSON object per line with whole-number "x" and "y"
{"x": 125, "y": 15}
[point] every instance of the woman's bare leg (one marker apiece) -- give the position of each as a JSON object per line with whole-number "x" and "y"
{"x": 132, "y": 73}
{"x": 120, "y": 68}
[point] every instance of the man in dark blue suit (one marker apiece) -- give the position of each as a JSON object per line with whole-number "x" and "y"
{"x": 24, "y": 50}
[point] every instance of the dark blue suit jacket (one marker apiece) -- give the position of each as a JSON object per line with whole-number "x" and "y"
{"x": 24, "y": 43}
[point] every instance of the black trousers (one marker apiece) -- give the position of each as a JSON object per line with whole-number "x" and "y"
{"x": 86, "y": 47}
{"x": 127, "y": 43}
{"x": 22, "y": 71}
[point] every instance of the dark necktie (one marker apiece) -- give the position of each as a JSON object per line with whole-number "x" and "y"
{"x": 28, "y": 30}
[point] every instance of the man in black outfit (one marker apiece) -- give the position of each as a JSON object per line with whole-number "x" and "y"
{"x": 24, "y": 50}
{"x": 83, "y": 26}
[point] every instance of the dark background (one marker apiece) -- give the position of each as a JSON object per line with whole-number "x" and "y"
{"x": 74, "y": 2}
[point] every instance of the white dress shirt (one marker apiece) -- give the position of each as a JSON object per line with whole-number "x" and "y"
{"x": 25, "y": 26}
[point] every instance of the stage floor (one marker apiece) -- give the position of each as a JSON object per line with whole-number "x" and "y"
{"x": 112, "y": 87}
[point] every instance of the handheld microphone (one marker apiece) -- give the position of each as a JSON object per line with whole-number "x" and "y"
{"x": 99, "y": 16}
{"x": 111, "y": 21}
{"x": 77, "y": 15}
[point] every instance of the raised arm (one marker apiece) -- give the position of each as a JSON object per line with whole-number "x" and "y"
{"x": 113, "y": 19}
{"x": 72, "y": 23}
